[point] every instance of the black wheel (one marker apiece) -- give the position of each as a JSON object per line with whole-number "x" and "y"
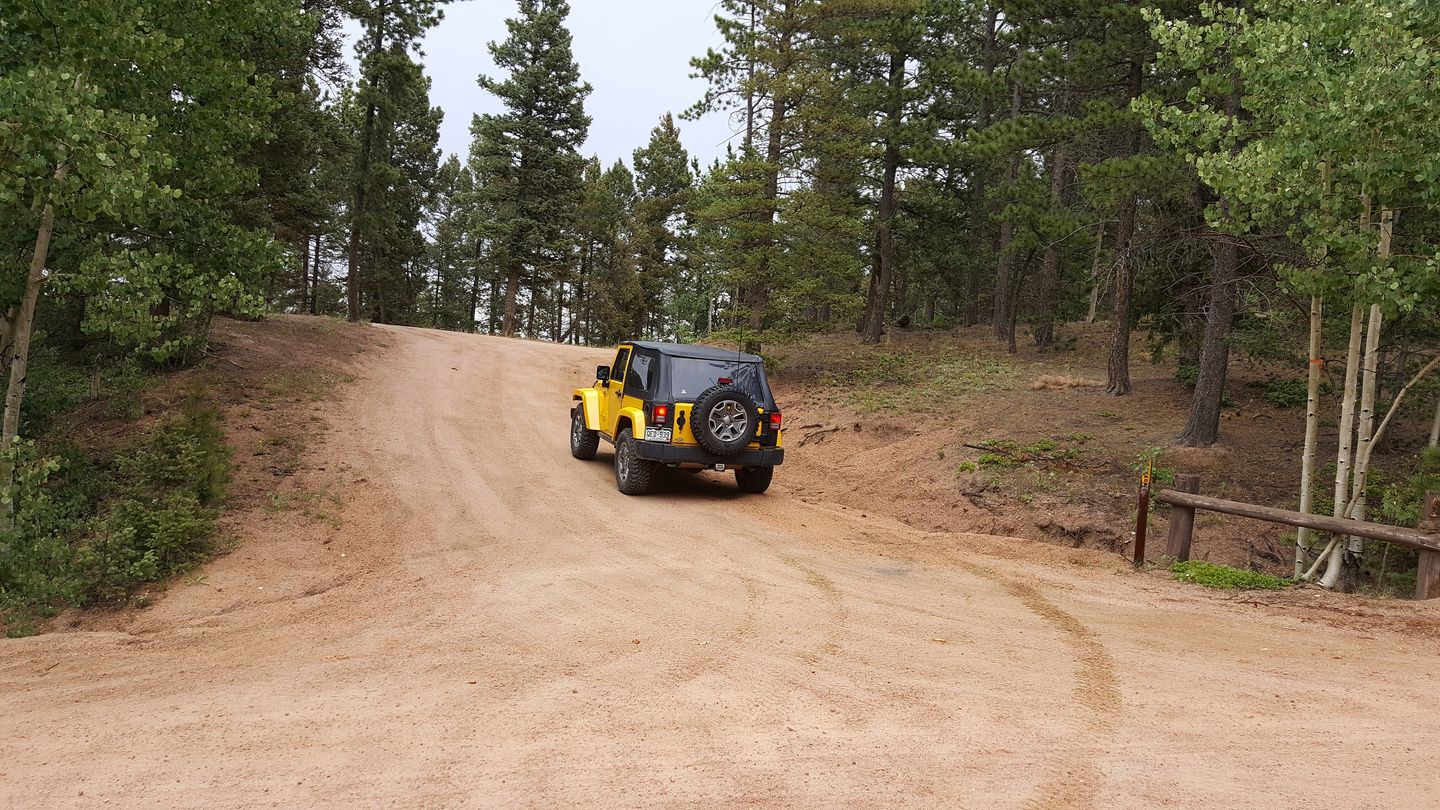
{"x": 632, "y": 473}
{"x": 754, "y": 479}
{"x": 724, "y": 419}
{"x": 583, "y": 441}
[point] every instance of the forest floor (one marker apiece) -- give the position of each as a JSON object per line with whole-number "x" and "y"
{"x": 947, "y": 432}
{"x": 430, "y": 603}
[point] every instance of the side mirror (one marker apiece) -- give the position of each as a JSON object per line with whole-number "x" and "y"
{"x": 602, "y": 373}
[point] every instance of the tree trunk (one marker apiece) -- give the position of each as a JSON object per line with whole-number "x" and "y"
{"x": 304, "y": 272}
{"x": 1095, "y": 275}
{"x": 22, "y": 325}
{"x": 1004, "y": 304}
{"x": 25, "y": 324}
{"x": 1050, "y": 263}
{"x": 1343, "y": 566}
{"x": 1303, "y": 538}
{"x": 19, "y": 348}
{"x": 1118, "y": 367}
{"x": 1343, "y": 454}
{"x": 1435, "y": 427}
{"x": 988, "y": 60}
{"x": 512, "y": 291}
{"x": 885, "y": 219}
{"x": 1203, "y": 427}
{"x": 362, "y": 176}
{"x": 312, "y": 303}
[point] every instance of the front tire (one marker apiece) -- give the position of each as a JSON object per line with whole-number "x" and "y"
{"x": 754, "y": 479}
{"x": 583, "y": 441}
{"x": 632, "y": 473}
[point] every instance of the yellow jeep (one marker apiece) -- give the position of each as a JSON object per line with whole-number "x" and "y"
{"x": 678, "y": 406}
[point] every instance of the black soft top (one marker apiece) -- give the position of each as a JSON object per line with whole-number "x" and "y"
{"x": 697, "y": 352}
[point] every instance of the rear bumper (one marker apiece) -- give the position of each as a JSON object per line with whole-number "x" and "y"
{"x": 683, "y": 454}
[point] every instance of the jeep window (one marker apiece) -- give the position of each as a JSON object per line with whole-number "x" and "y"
{"x": 617, "y": 371}
{"x": 640, "y": 376}
{"x": 689, "y": 376}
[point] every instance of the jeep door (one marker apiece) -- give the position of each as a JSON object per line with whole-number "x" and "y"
{"x": 612, "y": 393}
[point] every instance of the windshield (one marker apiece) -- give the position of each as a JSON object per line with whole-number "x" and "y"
{"x": 689, "y": 376}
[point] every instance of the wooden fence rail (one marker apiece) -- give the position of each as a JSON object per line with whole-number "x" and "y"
{"x": 1425, "y": 539}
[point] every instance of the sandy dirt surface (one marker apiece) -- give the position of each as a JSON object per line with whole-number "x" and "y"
{"x": 484, "y": 621}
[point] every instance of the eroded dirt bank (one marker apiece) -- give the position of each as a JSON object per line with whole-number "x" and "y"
{"x": 468, "y": 616}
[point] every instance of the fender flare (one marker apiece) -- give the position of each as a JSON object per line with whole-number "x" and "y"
{"x": 637, "y": 421}
{"x": 589, "y": 399}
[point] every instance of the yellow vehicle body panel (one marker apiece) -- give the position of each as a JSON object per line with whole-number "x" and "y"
{"x": 631, "y": 411}
{"x": 589, "y": 399}
{"x": 685, "y": 436}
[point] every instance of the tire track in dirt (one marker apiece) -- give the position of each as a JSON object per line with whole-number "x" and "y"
{"x": 830, "y": 592}
{"x": 1076, "y": 778}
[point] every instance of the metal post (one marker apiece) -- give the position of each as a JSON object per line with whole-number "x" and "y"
{"x": 1182, "y": 519}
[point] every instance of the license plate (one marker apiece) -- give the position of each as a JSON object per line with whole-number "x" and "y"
{"x": 654, "y": 434}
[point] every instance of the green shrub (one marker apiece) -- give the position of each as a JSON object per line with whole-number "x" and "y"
{"x": 1161, "y": 475}
{"x": 995, "y": 460}
{"x": 1040, "y": 447}
{"x": 1188, "y": 374}
{"x": 89, "y": 528}
{"x": 1287, "y": 392}
{"x": 1400, "y": 500}
{"x": 1225, "y": 577}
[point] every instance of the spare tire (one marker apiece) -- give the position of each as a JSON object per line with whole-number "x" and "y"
{"x": 724, "y": 419}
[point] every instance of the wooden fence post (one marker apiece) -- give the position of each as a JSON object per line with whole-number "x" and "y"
{"x": 1427, "y": 579}
{"x": 1182, "y": 519}
{"x": 1142, "y": 519}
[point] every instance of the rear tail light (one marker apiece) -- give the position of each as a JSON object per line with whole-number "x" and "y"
{"x": 725, "y": 380}
{"x": 774, "y": 420}
{"x": 660, "y": 414}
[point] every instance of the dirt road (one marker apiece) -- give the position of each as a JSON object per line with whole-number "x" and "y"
{"x": 489, "y": 622}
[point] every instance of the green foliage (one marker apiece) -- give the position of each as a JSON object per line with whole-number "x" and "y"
{"x": 1161, "y": 475}
{"x": 1007, "y": 453}
{"x": 1339, "y": 114}
{"x": 1287, "y": 392}
{"x": 525, "y": 160}
{"x": 91, "y": 528}
{"x": 1225, "y": 577}
{"x": 1400, "y": 500}
{"x": 1188, "y": 374}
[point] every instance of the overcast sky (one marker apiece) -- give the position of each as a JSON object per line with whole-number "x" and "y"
{"x": 635, "y": 53}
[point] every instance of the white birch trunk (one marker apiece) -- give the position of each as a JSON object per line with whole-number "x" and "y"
{"x": 1344, "y": 455}
{"x": 1435, "y": 427}
{"x": 1305, "y": 537}
{"x": 1366, "y": 426}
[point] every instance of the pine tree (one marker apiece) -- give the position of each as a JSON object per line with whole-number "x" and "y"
{"x": 392, "y": 95}
{"x": 766, "y": 69}
{"x": 530, "y": 151}
{"x": 614, "y": 292}
{"x": 663, "y": 189}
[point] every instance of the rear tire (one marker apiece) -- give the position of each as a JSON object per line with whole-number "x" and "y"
{"x": 632, "y": 473}
{"x": 583, "y": 441}
{"x": 754, "y": 479}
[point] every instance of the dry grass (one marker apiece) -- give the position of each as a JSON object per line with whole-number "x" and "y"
{"x": 1062, "y": 382}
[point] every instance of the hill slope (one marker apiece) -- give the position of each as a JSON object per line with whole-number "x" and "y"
{"x": 441, "y": 607}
